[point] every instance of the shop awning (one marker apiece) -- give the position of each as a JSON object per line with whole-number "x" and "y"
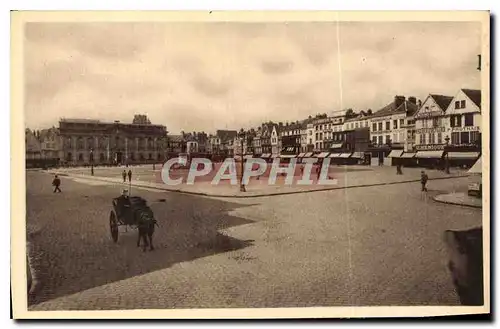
{"x": 274, "y": 156}
{"x": 395, "y": 154}
{"x": 265, "y": 155}
{"x": 322, "y": 155}
{"x": 477, "y": 168}
{"x": 463, "y": 155}
{"x": 287, "y": 156}
{"x": 334, "y": 155}
{"x": 345, "y": 155}
{"x": 429, "y": 154}
{"x": 336, "y": 146}
{"x": 301, "y": 155}
{"x": 358, "y": 155}
{"x": 408, "y": 155}
{"x": 308, "y": 155}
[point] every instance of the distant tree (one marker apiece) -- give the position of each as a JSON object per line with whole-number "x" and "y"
{"x": 369, "y": 112}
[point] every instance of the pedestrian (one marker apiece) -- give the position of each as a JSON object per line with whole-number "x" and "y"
{"x": 56, "y": 182}
{"x": 423, "y": 180}
{"x": 124, "y": 175}
{"x": 130, "y": 175}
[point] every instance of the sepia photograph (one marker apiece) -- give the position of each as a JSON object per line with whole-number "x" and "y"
{"x": 250, "y": 164}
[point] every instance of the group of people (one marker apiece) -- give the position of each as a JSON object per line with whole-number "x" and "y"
{"x": 125, "y": 174}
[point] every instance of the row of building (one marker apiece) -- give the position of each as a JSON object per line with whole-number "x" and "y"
{"x": 405, "y": 128}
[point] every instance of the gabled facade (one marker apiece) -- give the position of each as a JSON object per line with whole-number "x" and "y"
{"x": 51, "y": 144}
{"x": 463, "y": 123}
{"x": 430, "y": 122}
{"x": 32, "y": 145}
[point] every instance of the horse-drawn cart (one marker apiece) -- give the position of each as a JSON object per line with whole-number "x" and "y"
{"x": 132, "y": 212}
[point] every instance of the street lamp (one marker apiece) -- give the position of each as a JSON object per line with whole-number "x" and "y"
{"x": 242, "y": 135}
{"x": 447, "y": 164}
{"x": 91, "y": 162}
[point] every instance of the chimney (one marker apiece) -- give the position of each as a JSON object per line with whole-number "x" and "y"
{"x": 398, "y": 100}
{"x": 419, "y": 103}
{"x": 280, "y": 124}
{"x": 412, "y": 100}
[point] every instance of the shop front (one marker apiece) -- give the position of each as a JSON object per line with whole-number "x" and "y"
{"x": 395, "y": 157}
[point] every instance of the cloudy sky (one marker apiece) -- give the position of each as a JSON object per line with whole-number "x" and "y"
{"x": 208, "y": 76}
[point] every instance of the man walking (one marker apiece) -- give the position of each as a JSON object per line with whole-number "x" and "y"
{"x": 124, "y": 175}
{"x": 130, "y": 175}
{"x": 423, "y": 180}
{"x": 56, "y": 182}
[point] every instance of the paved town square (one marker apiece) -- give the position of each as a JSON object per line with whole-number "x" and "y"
{"x": 253, "y": 164}
{"x": 379, "y": 245}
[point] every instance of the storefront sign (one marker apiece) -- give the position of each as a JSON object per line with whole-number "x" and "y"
{"x": 460, "y": 129}
{"x": 430, "y": 130}
{"x": 432, "y": 114}
{"x": 429, "y": 147}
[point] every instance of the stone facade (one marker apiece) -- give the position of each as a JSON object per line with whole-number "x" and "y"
{"x": 92, "y": 141}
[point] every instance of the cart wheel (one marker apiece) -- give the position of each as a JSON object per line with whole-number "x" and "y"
{"x": 113, "y": 225}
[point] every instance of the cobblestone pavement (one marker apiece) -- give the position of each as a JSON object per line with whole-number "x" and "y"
{"x": 369, "y": 246}
{"x": 71, "y": 242}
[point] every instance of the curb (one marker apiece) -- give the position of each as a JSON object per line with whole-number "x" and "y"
{"x": 435, "y": 198}
{"x": 256, "y": 195}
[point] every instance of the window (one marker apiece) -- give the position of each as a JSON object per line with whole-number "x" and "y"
{"x": 422, "y": 141}
{"x": 435, "y": 122}
{"x": 387, "y": 139}
{"x": 374, "y": 139}
{"x": 432, "y": 138}
{"x": 469, "y": 119}
{"x": 401, "y": 122}
{"x": 380, "y": 140}
{"x": 316, "y": 127}
{"x": 310, "y": 141}
{"x": 357, "y": 125}
{"x": 475, "y": 138}
{"x": 395, "y": 138}
{"x": 440, "y": 138}
{"x": 317, "y": 135}
{"x": 464, "y": 137}
{"x": 380, "y": 126}
{"x": 457, "y": 104}
{"x": 426, "y": 138}
{"x": 462, "y": 104}
{"x": 374, "y": 127}
{"x": 395, "y": 124}
{"x": 387, "y": 125}
{"x": 456, "y": 121}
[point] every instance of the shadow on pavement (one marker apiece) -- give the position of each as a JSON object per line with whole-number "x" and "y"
{"x": 75, "y": 251}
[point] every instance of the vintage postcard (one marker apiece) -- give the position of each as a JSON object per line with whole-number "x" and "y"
{"x": 250, "y": 164}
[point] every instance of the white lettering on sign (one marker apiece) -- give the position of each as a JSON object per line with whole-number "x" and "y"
{"x": 429, "y": 114}
{"x": 429, "y": 147}
{"x": 429, "y": 130}
{"x": 471, "y": 128}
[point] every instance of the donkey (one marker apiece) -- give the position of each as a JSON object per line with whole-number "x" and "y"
{"x": 466, "y": 264}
